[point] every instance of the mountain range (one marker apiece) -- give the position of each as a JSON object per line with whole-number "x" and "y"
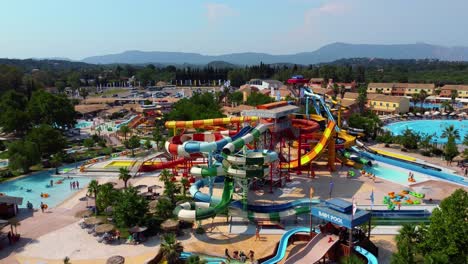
{"x": 327, "y": 53}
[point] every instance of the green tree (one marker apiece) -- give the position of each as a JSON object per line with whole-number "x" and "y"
{"x": 195, "y": 259}
{"x": 130, "y": 208}
{"x": 453, "y": 96}
{"x": 352, "y": 259}
{"x": 170, "y": 248}
{"x": 48, "y": 139}
{"x": 158, "y": 137}
{"x": 106, "y": 197}
{"x": 125, "y": 130}
{"x": 446, "y": 237}
{"x": 362, "y": 98}
{"x": 450, "y": 131}
{"x": 132, "y": 144}
{"x": 425, "y": 141}
{"x": 342, "y": 91}
{"x": 13, "y": 117}
{"x": 407, "y": 242}
{"x": 199, "y": 106}
{"x": 22, "y": 154}
{"x": 54, "y": 110}
{"x": 83, "y": 92}
{"x": 235, "y": 97}
{"x": 446, "y": 106}
{"x": 170, "y": 188}
{"x": 450, "y": 149}
{"x": 10, "y": 78}
{"x": 256, "y": 98}
{"x": 88, "y": 142}
{"x": 422, "y": 97}
{"x": 336, "y": 90}
{"x": 185, "y": 184}
{"x": 124, "y": 175}
{"x": 408, "y": 139}
{"x": 60, "y": 85}
{"x": 93, "y": 189}
{"x": 148, "y": 144}
{"x": 164, "y": 208}
{"x": 465, "y": 140}
{"x": 237, "y": 77}
{"x": 57, "y": 159}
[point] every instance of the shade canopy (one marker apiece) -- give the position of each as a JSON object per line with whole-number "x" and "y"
{"x": 115, "y": 260}
{"x": 170, "y": 225}
{"x": 83, "y": 213}
{"x": 104, "y": 228}
{"x": 137, "y": 229}
{"x": 93, "y": 220}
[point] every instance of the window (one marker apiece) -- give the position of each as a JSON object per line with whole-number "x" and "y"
{"x": 381, "y": 104}
{"x": 394, "y": 105}
{"x": 387, "y": 104}
{"x": 409, "y": 90}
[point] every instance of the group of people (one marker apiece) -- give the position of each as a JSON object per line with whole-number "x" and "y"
{"x": 368, "y": 174}
{"x": 74, "y": 185}
{"x": 240, "y": 256}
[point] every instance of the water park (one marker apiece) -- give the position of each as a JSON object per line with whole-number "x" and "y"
{"x": 289, "y": 187}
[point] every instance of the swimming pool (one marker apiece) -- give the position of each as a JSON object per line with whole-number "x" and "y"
{"x": 37, "y": 183}
{"x": 430, "y": 127}
{"x": 394, "y": 174}
{"x": 83, "y": 124}
{"x": 426, "y": 105}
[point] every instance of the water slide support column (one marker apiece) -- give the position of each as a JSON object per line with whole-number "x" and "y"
{"x": 299, "y": 153}
{"x": 211, "y": 179}
{"x": 307, "y": 107}
{"x": 332, "y": 151}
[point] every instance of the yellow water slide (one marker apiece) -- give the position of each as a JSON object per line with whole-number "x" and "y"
{"x": 315, "y": 153}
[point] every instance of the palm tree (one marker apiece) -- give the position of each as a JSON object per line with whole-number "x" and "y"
{"x": 93, "y": 188}
{"x": 465, "y": 140}
{"x": 407, "y": 241}
{"x": 422, "y": 97}
{"x": 342, "y": 91}
{"x": 446, "y": 105}
{"x": 125, "y": 130}
{"x": 124, "y": 175}
{"x": 185, "y": 183}
{"x": 453, "y": 96}
{"x": 194, "y": 259}
{"x": 450, "y": 131}
{"x": 56, "y": 160}
{"x": 170, "y": 248}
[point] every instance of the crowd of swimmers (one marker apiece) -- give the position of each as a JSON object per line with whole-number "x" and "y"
{"x": 74, "y": 185}
{"x": 240, "y": 256}
{"x": 368, "y": 174}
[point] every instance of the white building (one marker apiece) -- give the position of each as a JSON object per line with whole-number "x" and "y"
{"x": 265, "y": 84}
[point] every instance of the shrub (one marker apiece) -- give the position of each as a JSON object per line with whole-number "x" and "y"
{"x": 437, "y": 151}
{"x": 426, "y": 153}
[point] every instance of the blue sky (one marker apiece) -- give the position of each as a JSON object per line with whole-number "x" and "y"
{"x": 81, "y": 28}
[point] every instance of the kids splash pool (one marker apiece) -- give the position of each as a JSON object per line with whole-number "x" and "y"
{"x": 430, "y": 127}
{"x": 37, "y": 184}
{"x": 83, "y": 124}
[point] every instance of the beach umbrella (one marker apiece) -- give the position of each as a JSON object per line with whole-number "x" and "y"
{"x": 170, "y": 225}
{"x": 410, "y": 114}
{"x": 137, "y": 229}
{"x": 453, "y": 113}
{"x": 104, "y": 228}
{"x": 436, "y": 113}
{"x": 427, "y": 113}
{"x": 141, "y": 186}
{"x": 459, "y": 158}
{"x": 93, "y": 220}
{"x": 418, "y": 114}
{"x": 83, "y": 213}
{"x": 155, "y": 187}
{"x": 115, "y": 260}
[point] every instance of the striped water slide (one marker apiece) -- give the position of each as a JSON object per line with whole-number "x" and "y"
{"x": 315, "y": 153}
{"x": 197, "y": 143}
{"x": 245, "y": 139}
{"x": 211, "y": 122}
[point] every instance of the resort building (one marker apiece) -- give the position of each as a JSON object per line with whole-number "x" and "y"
{"x": 385, "y": 104}
{"x": 316, "y": 82}
{"x": 400, "y": 89}
{"x": 265, "y": 84}
{"x": 446, "y": 91}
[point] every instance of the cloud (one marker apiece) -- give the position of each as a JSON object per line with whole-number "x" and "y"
{"x": 217, "y": 11}
{"x": 312, "y": 15}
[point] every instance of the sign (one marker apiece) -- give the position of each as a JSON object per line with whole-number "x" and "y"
{"x": 328, "y": 216}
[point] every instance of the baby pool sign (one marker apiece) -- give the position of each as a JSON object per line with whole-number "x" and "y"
{"x": 329, "y": 216}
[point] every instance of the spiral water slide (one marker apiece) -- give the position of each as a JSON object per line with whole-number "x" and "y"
{"x": 315, "y": 153}
{"x": 193, "y": 211}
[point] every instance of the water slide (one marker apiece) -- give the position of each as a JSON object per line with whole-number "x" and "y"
{"x": 194, "y": 211}
{"x": 371, "y": 259}
{"x": 197, "y": 143}
{"x": 137, "y": 121}
{"x": 314, "y": 250}
{"x": 318, "y": 149}
{"x": 393, "y": 155}
{"x": 126, "y": 121}
{"x": 152, "y": 166}
{"x": 283, "y": 244}
{"x": 210, "y": 122}
{"x": 310, "y": 93}
{"x": 356, "y": 158}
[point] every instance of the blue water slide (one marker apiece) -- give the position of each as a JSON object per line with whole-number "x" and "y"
{"x": 413, "y": 167}
{"x": 126, "y": 121}
{"x": 371, "y": 259}
{"x": 281, "y": 252}
{"x": 200, "y": 146}
{"x": 276, "y": 207}
{"x": 310, "y": 93}
{"x": 400, "y": 213}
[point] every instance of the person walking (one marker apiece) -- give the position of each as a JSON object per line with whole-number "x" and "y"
{"x": 257, "y": 233}
{"x": 42, "y": 207}
{"x": 77, "y": 184}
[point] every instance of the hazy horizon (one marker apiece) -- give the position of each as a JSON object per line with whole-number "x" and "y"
{"x": 80, "y": 29}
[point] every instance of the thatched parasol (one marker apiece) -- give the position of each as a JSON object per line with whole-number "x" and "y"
{"x": 104, "y": 228}
{"x": 170, "y": 225}
{"x": 459, "y": 158}
{"x": 115, "y": 260}
{"x": 83, "y": 213}
{"x": 137, "y": 229}
{"x": 93, "y": 220}
{"x": 141, "y": 186}
{"x": 155, "y": 187}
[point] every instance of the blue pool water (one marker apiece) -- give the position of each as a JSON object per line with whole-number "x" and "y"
{"x": 430, "y": 127}
{"x": 83, "y": 124}
{"x": 394, "y": 174}
{"x": 37, "y": 183}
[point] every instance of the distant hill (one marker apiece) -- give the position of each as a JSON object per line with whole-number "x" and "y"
{"x": 324, "y": 54}
{"x": 46, "y": 64}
